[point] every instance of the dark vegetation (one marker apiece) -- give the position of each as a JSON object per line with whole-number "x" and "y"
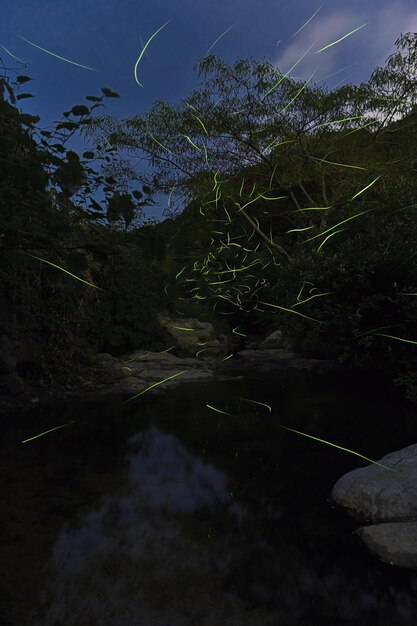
{"x": 339, "y": 292}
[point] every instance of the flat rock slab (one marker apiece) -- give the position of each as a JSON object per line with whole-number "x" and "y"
{"x": 393, "y": 543}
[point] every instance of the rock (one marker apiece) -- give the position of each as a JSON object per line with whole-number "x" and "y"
{"x": 195, "y": 336}
{"x": 274, "y": 340}
{"x": 143, "y": 356}
{"x": 267, "y": 355}
{"x": 377, "y": 494}
{"x": 394, "y": 543}
{"x": 103, "y": 360}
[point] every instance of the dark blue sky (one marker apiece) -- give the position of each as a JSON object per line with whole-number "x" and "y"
{"x": 108, "y": 36}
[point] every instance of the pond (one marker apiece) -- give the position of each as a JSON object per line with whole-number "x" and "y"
{"x": 167, "y": 512}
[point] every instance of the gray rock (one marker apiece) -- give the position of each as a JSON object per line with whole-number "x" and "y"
{"x": 394, "y": 543}
{"x": 194, "y": 336}
{"x": 143, "y": 356}
{"x": 378, "y": 494}
{"x": 274, "y": 340}
{"x": 267, "y": 355}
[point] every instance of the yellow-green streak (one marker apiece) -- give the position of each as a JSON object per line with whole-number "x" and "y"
{"x": 204, "y": 128}
{"x": 285, "y": 75}
{"x": 365, "y": 188}
{"x": 181, "y": 271}
{"x": 48, "y": 431}
{"x": 307, "y": 22}
{"x": 200, "y": 351}
{"x": 179, "y": 328}
{"x": 236, "y": 333}
{"x": 328, "y": 237}
{"x": 58, "y": 57}
{"x": 398, "y": 338}
{"x": 299, "y": 91}
{"x": 62, "y": 270}
{"x": 12, "y": 55}
{"x": 219, "y": 411}
{"x": 317, "y": 295}
{"x": 336, "y": 225}
{"x": 313, "y": 208}
{"x": 213, "y": 44}
{"x": 339, "y": 447}
{"x": 191, "y": 142}
{"x": 154, "y": 385}
{"x": 143, "y": 52}
{"x": 355, "y": 167}
{"x": 288, "y": 310}
{"x": 160, "y": 144}
{"x": 300, "y": 230}
{"x": 256, "y": 402}
{"x": 341, "y": 39}
{"x": 345, "y": 119}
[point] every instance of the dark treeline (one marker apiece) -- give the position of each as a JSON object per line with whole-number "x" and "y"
{"x": 314, "y": 234}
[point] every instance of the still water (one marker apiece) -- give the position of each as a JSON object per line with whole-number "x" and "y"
{"x": 166, "y": 512}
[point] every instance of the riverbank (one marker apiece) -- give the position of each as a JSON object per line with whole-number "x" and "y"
{"x": 148, "y": 372}
{"x": 128, "y": 377}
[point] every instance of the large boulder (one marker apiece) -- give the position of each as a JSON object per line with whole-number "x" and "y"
{"x": 389, "y": 500}
{"x": 376, "y": 494}
{"x": 195, "y": 336}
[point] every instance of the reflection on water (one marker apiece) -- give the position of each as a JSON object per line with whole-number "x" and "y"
{"x": 141, "y": 555}
{"x": 176, "y": 515}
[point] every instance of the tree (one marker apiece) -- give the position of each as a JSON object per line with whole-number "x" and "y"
{"x": 71, "y": 275}
{"x": 309, "y": 156}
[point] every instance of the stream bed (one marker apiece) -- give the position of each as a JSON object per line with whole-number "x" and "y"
{"x": 164, "y": 511}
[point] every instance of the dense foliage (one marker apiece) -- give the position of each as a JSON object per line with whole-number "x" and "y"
{"x": 44, "y": 237}
{"x": 311, "y": 230}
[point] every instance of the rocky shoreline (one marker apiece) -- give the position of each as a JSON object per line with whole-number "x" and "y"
{"x": 151, "y": 373}
{"x": 372, "y": 493}
{"x": 103, "y": 375}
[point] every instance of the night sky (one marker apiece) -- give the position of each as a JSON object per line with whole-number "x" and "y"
{"x": 108, "y": 36}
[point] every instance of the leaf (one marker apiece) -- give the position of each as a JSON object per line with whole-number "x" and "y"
{"x": 4, "y": 84}
{"x": 109, "y": 93}
{"x": 146, "y": 189}
{"x": 72, "y": 156}
{"x": 95, "y": 205}
{"x": 24, "y": 95}
{"x": 22, "y": 79}
{"x": 58, "y": 147}
{"x": 28, "y": 120}
{"x": 80, "y": 109}
{"x": 88, "y": 155}
{"x": 67, "y": 125}
{"x": 94, "y": 98}
{"x": 137, "y": 194}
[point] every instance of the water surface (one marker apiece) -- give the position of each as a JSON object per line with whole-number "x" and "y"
{"x": 166, "y": 512}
